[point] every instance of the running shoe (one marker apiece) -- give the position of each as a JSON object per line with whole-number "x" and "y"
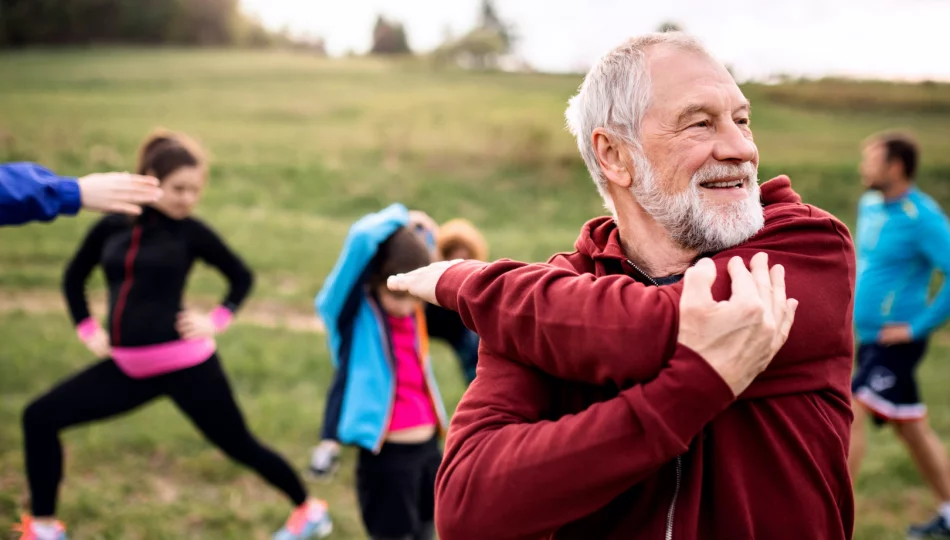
{"x": 33, "y": 531}
{"x": 309, "y": 520}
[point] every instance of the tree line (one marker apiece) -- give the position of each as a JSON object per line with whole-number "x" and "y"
{"x": 82, "y": 22}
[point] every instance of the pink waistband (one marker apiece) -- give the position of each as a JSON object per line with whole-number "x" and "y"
{"x": 152, "y": 360}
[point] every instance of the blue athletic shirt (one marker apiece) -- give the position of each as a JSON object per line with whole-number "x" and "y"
{"x": 899, "y": 245}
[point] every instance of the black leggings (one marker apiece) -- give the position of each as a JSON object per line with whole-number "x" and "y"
{"x": 202, "y": 392}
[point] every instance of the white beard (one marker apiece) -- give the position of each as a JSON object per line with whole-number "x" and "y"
{"x": 692, "y": 222}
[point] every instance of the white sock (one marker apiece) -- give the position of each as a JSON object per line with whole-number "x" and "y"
{"x": 46, "y": 531}
{"x": 945, "y": 511}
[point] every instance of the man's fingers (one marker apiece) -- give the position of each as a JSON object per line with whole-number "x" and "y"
{"x": 777, "y": 279}
{"x": 759, "y": 267}
{"x": 743, "y": 286}
{"x": 397, "y": 283}
{"x": 124, "y": 208}
{"x": 698, "y": 282}
{"x": 141, "y": 194}
{"x": 142, "y": 180}
{"x": 786, "y": 328}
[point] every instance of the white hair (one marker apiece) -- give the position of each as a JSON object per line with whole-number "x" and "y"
{"x": 615, "y": 95}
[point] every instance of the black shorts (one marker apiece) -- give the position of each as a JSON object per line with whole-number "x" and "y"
{"x": 885, "y": 383}
{"x": 396, "y": 489}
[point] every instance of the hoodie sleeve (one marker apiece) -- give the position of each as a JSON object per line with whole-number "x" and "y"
{"x": 934, "y": 244}
{"x": 606, "y": 330}
{"x": 510, "y": 471}
{"x": 29, "y": 192}
{"x": 613, "y": 329}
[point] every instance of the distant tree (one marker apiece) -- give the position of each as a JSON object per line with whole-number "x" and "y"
{"x": 389, "y": 38}
{"x": 490, "y": 21}
{"x": 478, "y": 49}
{"x": 483, "y": 47}
{"x": 669, "y": 26}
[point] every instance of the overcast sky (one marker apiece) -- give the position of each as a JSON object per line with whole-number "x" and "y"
{"x": 907, "y": 39}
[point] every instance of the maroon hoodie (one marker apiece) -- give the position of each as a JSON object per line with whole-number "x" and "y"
{"x": 588, "y": 420}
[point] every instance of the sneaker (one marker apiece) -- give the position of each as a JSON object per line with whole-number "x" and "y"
{"x": 325, "y": 459}
{"x": 34, "y": 531}
{"x": 936, "y": 528}
{"x": 309, "y": 520}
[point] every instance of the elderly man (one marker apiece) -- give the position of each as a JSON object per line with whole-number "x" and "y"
{"x": 595, "y": 413}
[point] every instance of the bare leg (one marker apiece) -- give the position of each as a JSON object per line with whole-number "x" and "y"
{"x": 859, "y": 441}
{"x": 928, "y": 454}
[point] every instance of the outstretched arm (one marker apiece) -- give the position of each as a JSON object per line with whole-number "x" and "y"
{"x": 29, "y": 192}
{"x": 613, "y": 329}
{"x": 576, "y": 327}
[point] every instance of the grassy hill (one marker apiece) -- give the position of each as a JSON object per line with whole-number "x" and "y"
{"x": 301, "y": 147}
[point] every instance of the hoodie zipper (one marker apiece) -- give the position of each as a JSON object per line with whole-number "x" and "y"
{"x": 679, "y": 459}
{"x": 126, "y": 283}
{"x": 676, "y": 492}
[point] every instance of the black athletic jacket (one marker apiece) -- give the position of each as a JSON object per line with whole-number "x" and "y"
{"x": 146, "y": 261}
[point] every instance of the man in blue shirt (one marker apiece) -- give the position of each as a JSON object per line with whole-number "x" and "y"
{"x": 29, "y": 192}
{"x": 902, "y": 237}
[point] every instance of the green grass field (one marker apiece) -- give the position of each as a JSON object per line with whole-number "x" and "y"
{"x": 301, "y": 147}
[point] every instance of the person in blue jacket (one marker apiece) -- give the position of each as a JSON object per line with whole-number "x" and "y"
{"x": 30, "y": 192}
{"x": 903, "y": 236}
{"x": 384, "y": 398}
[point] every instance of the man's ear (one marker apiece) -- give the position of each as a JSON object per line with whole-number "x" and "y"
{"x": 610, "y": 151}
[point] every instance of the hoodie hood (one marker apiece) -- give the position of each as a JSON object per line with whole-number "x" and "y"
{"x": 600, "y": 237}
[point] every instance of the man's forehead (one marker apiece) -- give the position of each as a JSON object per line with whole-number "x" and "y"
{"x": 683, "y": 78}
{"x": 873, "y": 147}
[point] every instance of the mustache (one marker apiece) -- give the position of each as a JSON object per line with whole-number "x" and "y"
{"x": 717, "y": 171}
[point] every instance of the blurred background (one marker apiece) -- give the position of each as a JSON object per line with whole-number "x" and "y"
{"x": 317, "y": 112}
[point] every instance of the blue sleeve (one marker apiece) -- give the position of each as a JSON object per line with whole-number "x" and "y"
{"x": 29, "y": 192}
{"x": 359, "y": 248}
{"x": 934, "y": 243}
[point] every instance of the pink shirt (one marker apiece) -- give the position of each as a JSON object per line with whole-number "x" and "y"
{"x": 413, "y": 406}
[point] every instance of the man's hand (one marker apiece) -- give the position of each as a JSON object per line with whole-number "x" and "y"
{"x": 118, "y": 192}
{"x": 421, "y": 283}
{"x": 895, "y": 334}
{"x": 740, "y": 336}
{"x": 194, "y": 325}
